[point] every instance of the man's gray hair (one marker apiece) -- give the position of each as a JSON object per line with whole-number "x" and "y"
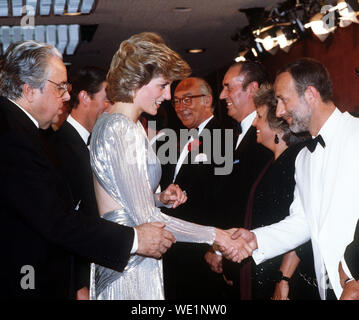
{"x": 25, "y": 62}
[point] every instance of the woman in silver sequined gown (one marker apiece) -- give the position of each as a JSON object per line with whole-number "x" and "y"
{"x": 127, "y": 171}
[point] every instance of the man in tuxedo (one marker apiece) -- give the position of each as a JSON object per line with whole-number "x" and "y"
{"x": 88, "y": 101}
{"x": 325, "y": 207}
{"x": 186, "y": 274}
{"x": 40, "y": 230}
{"x": 240, "y": 83}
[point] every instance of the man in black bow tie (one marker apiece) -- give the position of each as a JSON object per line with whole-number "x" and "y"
{"x": 325, "y": 208}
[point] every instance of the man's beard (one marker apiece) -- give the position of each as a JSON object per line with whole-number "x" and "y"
{"x": 300, "y": 119}
{"x": 300, "y": 123}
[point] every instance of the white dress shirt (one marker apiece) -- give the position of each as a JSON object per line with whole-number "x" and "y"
{"x": 84, "y": 134}
{"x": 246, "y": 124}
{"x": 325, "y": 207}
{"x": 184, "y": 151}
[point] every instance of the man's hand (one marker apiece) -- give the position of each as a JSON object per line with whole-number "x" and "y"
{"x": 281, "y": 291}
{"x": 83, "y": 294}
{"x": 173, "y": 195}
{"x": 214, "y": 260}
{"x": 232, "y": 245}
{"x": 153, "y": 239}
{"x": 245, "y": 243}
{"x": 350, "y": 289}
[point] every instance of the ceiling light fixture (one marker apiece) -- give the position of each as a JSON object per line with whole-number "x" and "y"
{"x": 319, "y": 26}
{"x": 196, "y": 50}
{"x": 18, "y": 8}
{"x": 4, "y": 8}
{"x": 45, "y": 7}
{"x": 64, "y": 37}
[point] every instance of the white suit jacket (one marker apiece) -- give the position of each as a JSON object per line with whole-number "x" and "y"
{"x": 326, "y": 202}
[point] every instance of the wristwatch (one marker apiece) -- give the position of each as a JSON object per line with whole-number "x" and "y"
{"x": 280, "y": 277}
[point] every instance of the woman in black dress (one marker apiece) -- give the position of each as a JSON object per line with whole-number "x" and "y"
{"x": 269, "y": 201}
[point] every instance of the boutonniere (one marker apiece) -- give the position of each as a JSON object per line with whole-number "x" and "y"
{"x": 201, "y": 157}
{"x": 194, "y": 145}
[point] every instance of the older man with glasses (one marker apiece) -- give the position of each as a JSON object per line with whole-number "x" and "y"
{"x": 185, "y": 271}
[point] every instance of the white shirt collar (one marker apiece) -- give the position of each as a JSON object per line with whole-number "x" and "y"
{"x": 328, "y": 130}
{"x": 28, "y": 114}
{"x": 247, "y": 122}
{"x": 84, "y": 134}
{"x": 203, "y": 124}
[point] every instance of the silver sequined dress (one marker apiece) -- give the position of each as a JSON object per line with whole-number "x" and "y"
{"x": 129, "y": 171}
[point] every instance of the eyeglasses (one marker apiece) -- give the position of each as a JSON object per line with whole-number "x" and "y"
{"x": 187, "y": 100}
{"x": 62, "y": 87}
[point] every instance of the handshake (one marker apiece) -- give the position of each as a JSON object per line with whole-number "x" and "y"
{"x": 236, "y": 244}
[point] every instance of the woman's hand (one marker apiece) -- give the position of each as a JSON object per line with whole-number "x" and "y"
{"x": 173, "y": 195}
{"x": 214, "y": 261}
{"x": 233, "y": 244}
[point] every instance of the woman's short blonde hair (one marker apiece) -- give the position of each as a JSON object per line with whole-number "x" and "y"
{"x": 139, "y": 59}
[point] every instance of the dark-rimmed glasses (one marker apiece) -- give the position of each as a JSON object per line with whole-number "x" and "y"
{"x": 187, "y": 100}
{"x": 62, "y": 87}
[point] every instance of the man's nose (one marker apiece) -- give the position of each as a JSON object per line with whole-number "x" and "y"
{"x": 280, "y": 111}
{"x": 223, "y": 94}
{"x": 167, "y": 94}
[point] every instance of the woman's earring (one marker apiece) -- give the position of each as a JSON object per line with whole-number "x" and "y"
{"x": 276, "y": 139}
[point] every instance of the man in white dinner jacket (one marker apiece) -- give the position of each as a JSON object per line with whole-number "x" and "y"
{"x": 325, "y": 208}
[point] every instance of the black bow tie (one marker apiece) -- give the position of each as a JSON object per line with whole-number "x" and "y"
{"x": 312, "y": 144}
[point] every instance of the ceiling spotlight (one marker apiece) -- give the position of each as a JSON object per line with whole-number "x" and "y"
{"x": 241, "y": 56}
{"x": 267, "y": 42}
{"x": 239, "y": 59}
{"x": 347, "y": 12}
{"x": 320, "y": 27}
{"x": 196, "y": 50}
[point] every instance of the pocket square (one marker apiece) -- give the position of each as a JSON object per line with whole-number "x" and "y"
{"x": 236, "y": 161}
{"x": 201, "y": 157}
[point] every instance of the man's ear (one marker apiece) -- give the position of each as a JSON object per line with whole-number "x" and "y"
{"x": 83, "y": 97}
{"x": 252, "y": 88}
{"x": 208, "y": 100}
{"x": 28, "y": 93}
{"x": 311, "y": 95}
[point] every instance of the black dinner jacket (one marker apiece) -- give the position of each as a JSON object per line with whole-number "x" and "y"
{"x": 248, "y": 161}
{"x": 351, "y": 255}
{"x": 73, "y": 157}
{"x": 39, "y": 227}
{"x": 186, "y": 273}
{"x": 198, "y": 180}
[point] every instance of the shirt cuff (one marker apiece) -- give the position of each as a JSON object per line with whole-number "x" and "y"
{"x": 135, "y": 242}
{"x": 345, "y": 268}
{"x": 258, "y": 254}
